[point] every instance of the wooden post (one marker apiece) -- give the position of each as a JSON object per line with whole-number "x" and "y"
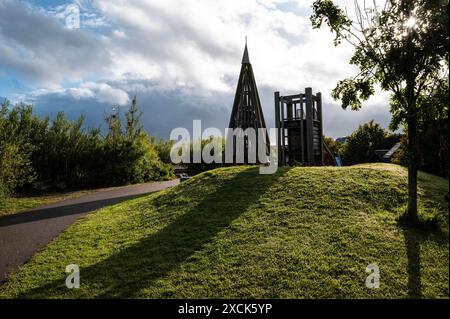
{"x": 309, "y": 126}
{"x": 277, "y": 125}
{"x": 283, "y": 137}
{"x": 302, "y": 135}
{"x": 319, "y": 115}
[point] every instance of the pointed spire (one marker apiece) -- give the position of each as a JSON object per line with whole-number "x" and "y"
{"x": 245, "y": 58}
{"x": 247, "y": 111}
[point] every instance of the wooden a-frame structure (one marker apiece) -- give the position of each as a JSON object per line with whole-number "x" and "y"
{"x": 247, "y": 111}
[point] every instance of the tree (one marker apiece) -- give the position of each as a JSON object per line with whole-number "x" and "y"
{"x": 432, "y": 127}
{"x": 404, "y": 48}
{"x": 133, "y": 117}
{"x": 335, "y": 146}
{"x": 362, "y": 143}
{"x": 130, "y": 154}
{"x": 16, "y": 126}
{"x": 40, "y": 154}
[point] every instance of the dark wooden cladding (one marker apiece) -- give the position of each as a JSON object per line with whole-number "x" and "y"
{"x": 247, "y": 111}
{"x": 298, "y": 119}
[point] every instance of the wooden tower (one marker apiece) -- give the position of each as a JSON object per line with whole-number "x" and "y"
{"x": 298, "y": 119}
{"x": 247, "y": 111}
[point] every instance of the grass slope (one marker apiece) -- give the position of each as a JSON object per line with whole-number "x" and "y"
{"x": 301, "y": 233}
{"x": 16, "y": 204}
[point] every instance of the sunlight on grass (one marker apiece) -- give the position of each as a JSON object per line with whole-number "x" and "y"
{"x": 15, "y": 204}
{"x": 305, "y": 232}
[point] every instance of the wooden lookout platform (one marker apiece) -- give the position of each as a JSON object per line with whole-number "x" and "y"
{"x": 298, "y": 119}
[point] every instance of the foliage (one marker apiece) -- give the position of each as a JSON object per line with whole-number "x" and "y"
{"x": 163, "y": 148}
{"x": 66, "y": 154}
{"x": 434, "y": 152}
{"x": 39, "y": 153}
{"x": 196, "y": 168}
{"x": 360, "y": 146}
{"x": 401, "y": 156}
{"x": 433, "y": 136}
{"x": 335, "y": 146}
{"x": 406, "y": 44}
{"x": 16, "y": 129}
{"x": 304, "y": 232}
{"x": 131, "y": 156}
{"x": 404, "y": 48}
{"x": 431, "y": 108}
{"x": 362, "y": 143}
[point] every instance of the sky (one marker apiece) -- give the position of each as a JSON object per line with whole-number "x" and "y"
{"x": 181, "y": 58}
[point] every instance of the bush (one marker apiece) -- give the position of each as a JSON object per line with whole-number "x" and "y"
{"x": 362, "y": 143}
{"x": 15, "y": 147}
{"x": 131, "y": 156}
{"x": 163, "y": 148}
{"x": 335, "y": 146}
{"x": 433, "y": 149}
{"x": 15, "y": 167}
{"x": 62, "y": 154}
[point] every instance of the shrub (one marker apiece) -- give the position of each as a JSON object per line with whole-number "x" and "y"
{"x": 362, "y": 143}
{"x": 15, "y": 147}
{"x": 62, "y": 154}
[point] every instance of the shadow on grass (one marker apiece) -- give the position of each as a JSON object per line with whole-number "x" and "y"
{"x": 433, "y": 226}
{"x": 45, "y": 213}
{"x": 126, "y": 273}
{"x": 415, "y": 233}
{"x": 412, "y": 245}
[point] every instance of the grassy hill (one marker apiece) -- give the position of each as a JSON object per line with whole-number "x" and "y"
{"x": 301, "y": 233}
{"x": 15, "y": 204}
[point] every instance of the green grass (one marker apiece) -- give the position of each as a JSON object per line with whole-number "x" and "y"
{"x": 16, "y": 204}
{"x": 232, "y": 233}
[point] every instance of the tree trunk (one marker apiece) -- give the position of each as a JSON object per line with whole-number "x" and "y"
{"x": 412, "y": 160}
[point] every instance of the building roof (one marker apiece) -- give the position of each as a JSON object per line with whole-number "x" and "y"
{"x": 392, "y": 151}
{"x": 386, "y": 154}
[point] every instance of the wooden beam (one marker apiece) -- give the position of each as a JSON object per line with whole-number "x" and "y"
{"x": 319, "y": 115}
{"x": 302, "y": 133}
{"x": 283, "y": 137}
{"x": 309, "y": 126}
{"x": 277, "y": 125}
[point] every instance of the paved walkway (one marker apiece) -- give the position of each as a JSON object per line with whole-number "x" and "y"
{"x": 22, "y": 234}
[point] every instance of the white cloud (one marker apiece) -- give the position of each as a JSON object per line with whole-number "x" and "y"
{"x": 193, "y": 46}
{"x": 201, "y": 45}
{"x": 94, "y": 91}
{"x": 197, "y": 44}
{"x": 104, "y": 93}
{"x": 41, "y": 51}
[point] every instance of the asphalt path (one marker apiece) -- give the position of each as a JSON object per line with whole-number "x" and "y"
{"x": 23, "y": 234}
